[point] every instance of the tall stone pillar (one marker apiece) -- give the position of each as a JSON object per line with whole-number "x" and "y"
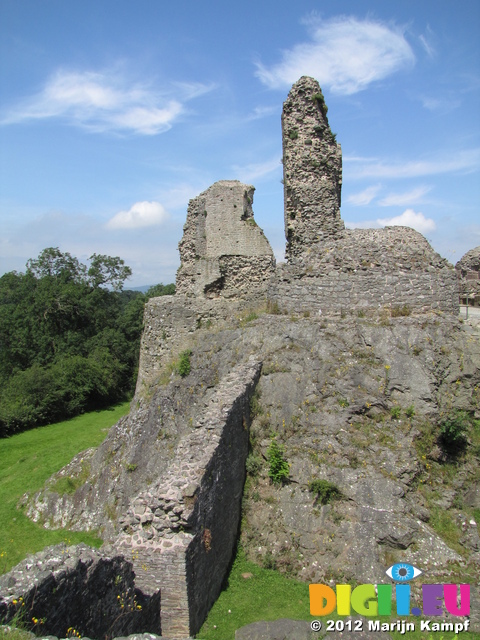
{"x": 312, "y": 170}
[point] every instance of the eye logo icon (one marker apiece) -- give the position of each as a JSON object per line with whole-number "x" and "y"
{"x": 402, "y": 572}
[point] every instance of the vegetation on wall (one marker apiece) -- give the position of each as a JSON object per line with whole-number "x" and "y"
{"x": 69, "y": 338}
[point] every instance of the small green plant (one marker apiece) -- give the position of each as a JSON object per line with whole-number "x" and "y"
{"x": 130, "y": 467}
{"x": 273, "y": 308}
{"x": 253, "y": 464}
{"x": 344, "y": 403}
{"x": 395, "y": 413}
{"x": 397, "y": 312}
{"x": 184, "y": 364}
{"x": 279, "y": 468}
{"x": 325, "y": 491}
{"x": 293, "y": 134}
{"x": 320, "y": 100}
{"x": 256, "y": 408}
{"x": 410, "y": 411}
{"x": 453, "y": 429}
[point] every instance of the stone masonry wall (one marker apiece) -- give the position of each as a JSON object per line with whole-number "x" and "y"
{"x": 64, "y": 588}
{"x": 312, "y": 170}
{"x": 181, "y": 531}
{"x": 367, "y": 269}
{"x": 169, "y": 324}
{"x": 223, "y": 252}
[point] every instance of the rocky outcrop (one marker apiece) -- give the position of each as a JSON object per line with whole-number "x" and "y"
{"x": 223, "y": 252}
{"x": 312, "y": 170}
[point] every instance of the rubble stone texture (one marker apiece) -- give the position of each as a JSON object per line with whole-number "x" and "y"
{"x": 223, "y": 251}
{"x": 312, "y": 170}
{"x": 468, "y": 271}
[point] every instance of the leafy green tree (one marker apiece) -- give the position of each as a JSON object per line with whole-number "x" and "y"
{"x": 107, "y": 270}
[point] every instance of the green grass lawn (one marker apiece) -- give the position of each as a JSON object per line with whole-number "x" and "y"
{"x": 267, "y": 595}
{"x": 26, "y": 460}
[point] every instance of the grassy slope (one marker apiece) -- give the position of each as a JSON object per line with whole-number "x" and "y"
{"x": 26, "y": 461}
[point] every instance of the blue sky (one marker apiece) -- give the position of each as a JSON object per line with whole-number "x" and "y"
{"x": 113, "y": 114}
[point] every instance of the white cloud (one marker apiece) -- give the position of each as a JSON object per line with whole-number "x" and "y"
{"x": 409, "y": 219}
{"x": 462, "y": 161}
{"x": 344, "y": 54}
{"x": 363, "y": 197}
{"x": 104, "y": 102}
{"x": 141, "y": 214}
{"x": 404, "y": 199}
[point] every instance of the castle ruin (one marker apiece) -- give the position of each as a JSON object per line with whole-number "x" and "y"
{"x": 172, "y": 472}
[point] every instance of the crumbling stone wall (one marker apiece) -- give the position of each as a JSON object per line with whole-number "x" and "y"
{"x": 79, "y": 588}
{"x": 177, "y": 517}
{"x": 223, "y": 252}
{"x": 331, "y": 269}
{"x": 468, "y": 271}
{"x": 312, "y": 170}
{"x": 368, "y": 269}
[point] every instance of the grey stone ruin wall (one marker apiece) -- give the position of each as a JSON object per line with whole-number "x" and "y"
{"x": 181, "y": 531}
{"x": 81, "y": 588}
{"x": 178, "y": 534}
{"x": 368, "y": 269}
{"x": 169, "y": 325}
{"x": 223, "y": 252}
{"x": 312, "y": 170}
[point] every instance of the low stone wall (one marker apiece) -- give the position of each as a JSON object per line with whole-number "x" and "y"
{"x": 65, "y": 588}
{"x": 339, "y": 292}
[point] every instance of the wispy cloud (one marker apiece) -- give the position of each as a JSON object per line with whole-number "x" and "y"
{"x": 141, "y": 214}
{"x": 363, "y": 197}
{"x": 104, "y": 101}
{"x": 409, "y": 218}
{"x": 254, "y": 171}
{"x": 344, "y": 54}
{"x": 461, "y": 161}
{"x": 404, "y": 199}
{"x": 427, "y": 41}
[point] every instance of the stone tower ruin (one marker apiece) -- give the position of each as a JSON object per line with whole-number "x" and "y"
{"x": 223, "y": 252}
{"x": 312, "y": 170}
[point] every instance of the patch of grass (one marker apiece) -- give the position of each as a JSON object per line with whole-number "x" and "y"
{"x": 443, "y": 523}
{"x": 28, "y": 459}
{"x": 397, "y": 312}
{"x": 70, "y": 484}
{"x": 266, "y": 595}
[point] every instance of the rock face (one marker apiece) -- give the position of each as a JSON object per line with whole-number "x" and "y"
{"x": 468, "y": 271}
{"x": 312, "y": 170}
{"x": 223, "y": 251}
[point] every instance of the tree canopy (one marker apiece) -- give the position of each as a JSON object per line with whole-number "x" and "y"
{"x": 69, "y": 337}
